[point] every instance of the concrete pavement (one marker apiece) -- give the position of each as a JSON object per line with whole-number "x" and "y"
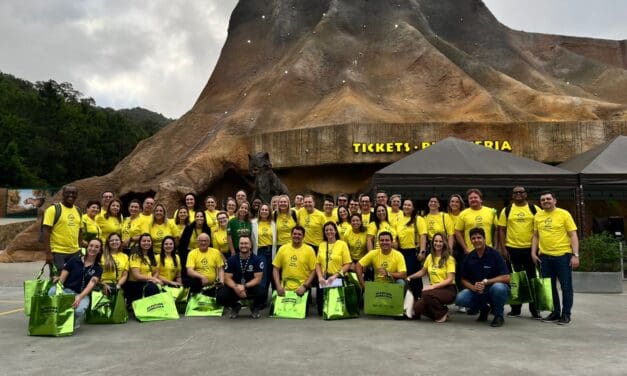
{"x": 594, "y": 343}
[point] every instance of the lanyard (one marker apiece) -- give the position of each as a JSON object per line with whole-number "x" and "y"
{"x": 243, "y": 269}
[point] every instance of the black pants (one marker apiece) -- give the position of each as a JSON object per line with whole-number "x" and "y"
{"x": 413, "y": 265}
{"x": 521, "y": 260}
{"x": 195, "y": 285}
{"x": 459, "y": 255}
{"x": 134, "y": 290}
{"x": 59, "y": 259}
{"x": 228, "y": 298}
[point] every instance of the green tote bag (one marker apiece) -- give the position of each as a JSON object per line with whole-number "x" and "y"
{"x": 157, "y": 307}
{"x": 107, "y": 309}
{"x": 290, "y": 306}
{"x": 542, "y": 292}
{"x": 384, "y": 299}
{"x": 52, "y": 315}
{"x": 37, "y": 286}
{"x": 204, "y": 306}
{"x": 180, "y": 295}
{"x": 337, "y": 301}
{"x": 520, "y": 288}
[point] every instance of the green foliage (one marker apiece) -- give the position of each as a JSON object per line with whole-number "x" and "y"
{"x": 599, "y": 253}
{"x": 50, "y": 134}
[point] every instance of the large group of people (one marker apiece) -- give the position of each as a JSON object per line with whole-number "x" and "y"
{"x": 246, "y": 249}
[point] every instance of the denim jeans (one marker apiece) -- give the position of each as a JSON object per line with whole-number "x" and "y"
{"x": 265, "y": 253}
{"x": 79, "y": 312}
{"x": 413, "y": 265}
{"x": 496, "y": 297}
{"x": 558, "y": 269}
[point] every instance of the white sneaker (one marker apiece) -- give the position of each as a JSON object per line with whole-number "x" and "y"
{"x": 461, "y": 309}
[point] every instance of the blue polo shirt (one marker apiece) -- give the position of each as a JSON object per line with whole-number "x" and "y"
{"x": 234, "y": 266}
{"x": 79, "y": 275}
{"x": 490, "y": 265}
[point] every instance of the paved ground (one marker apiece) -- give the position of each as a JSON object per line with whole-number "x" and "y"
{"x": 6, "y": 221}
{"x": 595, "y": 343}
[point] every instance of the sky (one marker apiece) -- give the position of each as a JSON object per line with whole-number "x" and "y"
{"x": 158, "y": 54}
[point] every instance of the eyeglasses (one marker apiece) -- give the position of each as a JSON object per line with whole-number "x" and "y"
{"x": 518, "y": 192}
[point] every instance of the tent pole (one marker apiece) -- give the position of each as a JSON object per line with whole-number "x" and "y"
{"x": 580, "y": 209}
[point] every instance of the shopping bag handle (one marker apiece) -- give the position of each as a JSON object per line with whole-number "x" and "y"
{"x": 53, "y": 270}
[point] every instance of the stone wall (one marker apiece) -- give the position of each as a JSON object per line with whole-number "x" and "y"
{"x": 9, "y": 231}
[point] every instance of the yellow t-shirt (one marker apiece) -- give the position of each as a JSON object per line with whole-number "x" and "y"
{"x": 190, "y": 218}
{"x": 365, "y": 218}
{"x": 264, "y": 234}
{"x": 296, "y": 264}
{"x": 519, "y": 226}
{"x": 395, "y": 218}
{"x": 339, "y": 256}
{"x": 205, "y": 263}
{"x": 144, "y": 221}
{"x": 143, "y": 264}
{"x": 331, "y": 218}
{"x": 212, "y": 220}
{"x": 108, "y": 226}
{"x": 553, "y": 228}
{"x": 122, "y": 264}
{"x": 342, "y": 228}
{"x": 90, "y": 228}
{"x": 220, "y": 241}
{"x": 383, "y": 227}
{"x": 64, "y": 234}
{"x": 312, "y": 223}
{"x": 356, "y": 243}
{"x": 169, "y": 271}
{"x": 407, "y": 235}
{"x": 439, "y": 223}
{"x": 437, "y": 274}
{"x": 131, "y": 227}
{"x": 158, "y": 231}
{"x": 393, "y": 262}
{"x": 284, "y": 225}
{"x": 470, "y": 218}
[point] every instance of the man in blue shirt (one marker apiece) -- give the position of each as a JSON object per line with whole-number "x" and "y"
{"x": 486, "y": 280}
{"x": 242, "y": 280}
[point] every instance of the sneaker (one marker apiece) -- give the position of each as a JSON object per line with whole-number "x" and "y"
{"x": 536, "y": 316}
{"x": 255, "y": 314}
{"x": 461, "y": 309}
{"x": 235, "y": 311}
{"x": 553, "y": 317}
{"x": 497, "y": 322}
{"x": 513, "y": 313}
{"x": 564, "y": 320}
{"x": 483, "y": 315}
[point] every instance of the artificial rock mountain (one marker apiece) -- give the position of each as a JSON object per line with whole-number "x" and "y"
{"x": 294, "y": 65}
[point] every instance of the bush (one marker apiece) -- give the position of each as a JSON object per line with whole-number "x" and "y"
{"x": 599, "y": 253}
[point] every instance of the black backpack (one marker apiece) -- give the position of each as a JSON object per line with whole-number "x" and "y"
{"x": 508, "y": 209}
{"x": 57, "y": 215}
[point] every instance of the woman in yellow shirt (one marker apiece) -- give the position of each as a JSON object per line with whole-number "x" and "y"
{"x": 190, "y": 235}
{"x": 332, "y": 262}
{"x": 343, "y": 223}
{"x": 231, "y": 207}
{"x": 356, "y": 239}
{"x": 169, "y": 263}
{"x": 111, "y": 220}
{"x": 455, "y": 206}
{"x": 378, "y": 224}
{"x": 114, "y": 265}
{"x": 412, "y": 236}
{"x": 439, "y": 222}
{"x": 131, "y": 227}
{"x": 181, "y": 220}
{"x": 160, "y": 227}
{"x": 264, "y": 235}
{"x": 210, "y": 212}
{"x": 285, "y": 220}
{"x": 144, "y": 272}
{"x": 219, "y": 238}
{"x": 89, "y": 226}
{"x": 440, "y": 266}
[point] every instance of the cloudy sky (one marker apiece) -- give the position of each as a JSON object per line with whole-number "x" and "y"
{"x": 158, "y": 54}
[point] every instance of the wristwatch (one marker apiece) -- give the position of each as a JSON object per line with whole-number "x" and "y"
{"x": 576, "y": 255}
{"x": 485, "y": 281}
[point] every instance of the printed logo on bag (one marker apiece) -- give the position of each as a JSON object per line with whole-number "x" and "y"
{"x": 289, "y": 301}
{"x": 383, "y": 295}
{"x": 49, "y": 310}
{"x": 154, "y": 307}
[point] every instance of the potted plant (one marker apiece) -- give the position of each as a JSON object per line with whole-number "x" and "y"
{"x": 599, "y": 265}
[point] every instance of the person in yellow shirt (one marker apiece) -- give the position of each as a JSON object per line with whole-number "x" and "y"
{"x": 285, "y": 219}
{"x": 294, "y": 265}
{"x": 62, "y": 232}
{"x": 475, "y": 216}
{"x": 111, "y": 221}
{"x": 211, "y": 213}
{"x": 327, "y": 210}
{"x": 440, "y": 267}
{"x": 342, "y": 200}
{"x": 312, "y": 220}
{"x": 205, "y": 267}
{"x": 378, "y": 224}
{"x": 332, "y": 262}
{"x": 455, "y": 207}
{"x": 115, "y": 265}
{"x": 189, "y": 238}
{"x": 190, "y": 205}
{"x": 89, "y": 226}
{"x": 131, "y": 227}
{"x": 169, "y": 263}
{"x": 265, "y": 239}
{"x": 105, "y": 199}
{"x": 231, "y": 207}
{"x": 438, "y": 222}
{"x": 144, "y": 273}
{"x": 181, "y": 220}
{"x": 395, "y": 212}
{"x": 365, "y": 209}
{"x": 388, "y": 263}
{"x": 160, "y": 227}
{"x": 353, "y": 206}
{"x": 515, "y": 234}
{"x": 555, "y": 246}
{"x": 412, "y": 237}
{"x": 145, "y": 217}
{"x": 343, "y": 222}
{"x": 219, "y": 237}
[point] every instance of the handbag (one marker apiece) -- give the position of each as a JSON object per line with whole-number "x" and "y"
{"x": 105, "y": 309}
{"x": 384, "y": 299}
{"x": 520, "y": 288}
{"x": 340, "y": 302}
{"x": 37, "y": 286}
{"x": 155, "y": 307}
{"x": 290, "y": 306}
{"x": 52, "y": 315}
{"x": 542, "y": 292}
{"x": 202, "y": 305}
{"x": 180, "y": 295}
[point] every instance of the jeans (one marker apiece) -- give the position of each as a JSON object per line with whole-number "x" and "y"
{"x": 413, "y": 265}
{"x": 558, "y": 269}
{"x": 79, "y": 311}
{"x": 496, "y": 296}
{"x": 520, "y": 259}
{"x": 265, "y": 253}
